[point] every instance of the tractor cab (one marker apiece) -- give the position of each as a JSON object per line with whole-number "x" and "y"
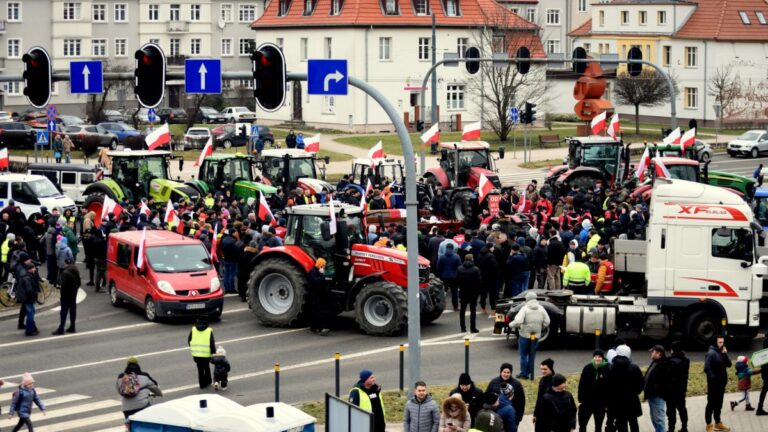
{"x": 135, "y": 170}
{"x": 292, "y": 168}
{"x": 225, "y": 170}
{"x": 602, "y": 153}
{"x": 389, "y": 170}
{"x": 463, "y": 162}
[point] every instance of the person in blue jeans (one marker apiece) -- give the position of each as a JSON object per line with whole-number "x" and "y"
{"x": 447, "y": 266}
{"x": 531, "y": 321}
{"x": 656, "y": 387}
{"x": 27, "y": 290}
{"x": 517, "y": 266}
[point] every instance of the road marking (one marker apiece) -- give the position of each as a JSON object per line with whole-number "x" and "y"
{"x": 99, "y": 331}
{"x": 37, "y": 416}
{"x": 88, "y": 421}
{"x": 6, "y": 397}
{"x": 65, "y": 399}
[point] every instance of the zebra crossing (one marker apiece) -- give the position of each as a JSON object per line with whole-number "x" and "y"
{"x": 66, "y": 412}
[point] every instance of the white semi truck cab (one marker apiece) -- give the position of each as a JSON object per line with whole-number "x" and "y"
{"x": 697, "y": 270}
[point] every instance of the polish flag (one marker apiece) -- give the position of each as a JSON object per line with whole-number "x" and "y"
{"x": 170, "y": 213}
{"x": 214, "y": 243}
{"x": 312, "y": 144}
{"x": 142, "y": 244}
{"x": 265, "y": 211}
{"x": 158, "y": 137}
{"x": 144, "y": 208}
{"x": 645, "y": 159}
{"x": 471, "y": 132}
{"x": 363, "y": 199}
{"x": 598, "y": 123}
{"x": 4, "y": 158}
{"x": 688, "y": 138}
{"x": 673, "y": 137}
{"x": 432, "y": 135}
{"x": 663, "y": 168}
{"x": 110, "y": 206}
{"x": 377, "y": 151}
{"x": 485, "y": 188}
{"x": 613, "y": 127}
{"x": 332, "y": 227}
{"x": 207, "y": 151}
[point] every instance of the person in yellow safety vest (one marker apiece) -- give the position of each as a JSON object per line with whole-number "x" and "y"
{"x": 594, "y": 238}
{"x": 577, "y": 276}
{"x": 604, "y": 282}
{"x": 367, "y": 395}
{"x": 202, "y": 346}
{"x": 5, "y": 252}
{"x": 209, "y": 201}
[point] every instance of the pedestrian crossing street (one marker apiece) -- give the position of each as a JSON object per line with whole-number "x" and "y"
{"x": 66, "y": 412}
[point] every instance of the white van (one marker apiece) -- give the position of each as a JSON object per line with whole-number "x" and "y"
{"x": 30, "y": 192}
{"x": 71, "y": 179}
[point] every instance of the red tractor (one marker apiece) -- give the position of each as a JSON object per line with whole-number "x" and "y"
{"x": 369, "y": 280}
{"x": 461, "y": 164}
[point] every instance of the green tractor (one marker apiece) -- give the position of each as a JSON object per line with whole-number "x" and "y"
{"x": 136, "y": 175}
{"x": 232, "y": 172}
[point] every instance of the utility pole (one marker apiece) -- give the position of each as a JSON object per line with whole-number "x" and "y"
{"x": 434, "y": 75}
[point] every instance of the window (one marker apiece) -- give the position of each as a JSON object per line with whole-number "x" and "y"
{"x": 420, "y": 7}
{"x": 661, "y": 17}
{"x": 99, "y": 47}
{"x": 303, "y": 49}
{"x": 121, "y": 47}
{"x": 424, "y": 48}
{"x": 761, "y": 18}
{"x": 154, "y": 41}
{"x": 648, "y": 52}
{"x": 691, "y": 97}
{"x": 71, "y": 11}
{"x": 154, "y": 12}
{"x": 175, "y": 49}
{"x": 14, "y": 11}
{"x": 588, "y": 47}
{"x": 247, "y": 13}
{"x": 308, "y": 7}
{"x": 14, "y": 48}
{"x": 245, "y": 46}
{"x": 226, "y": 47}
{"x": 123, "y": 255}
{"x": 336, "y": 7}
{"x": 71, "y": 47}
{"x": 553, "y": 16}
{"x": 330, "y": 104}
{"x": 553, "y": 46}
{"x": 461, "y": 46}
{"x": 582, "y": 5}
{"x": 87, "y": 178}
{"x": 13, "y": 89}
{"x": 194, "y": 46}
{"x": 328, "y": 45}
{"x": 385, "y": 49}
{"x": 601, "y": 18}
{"x": 744, "y": 17}
{"x": 497, "y": 43}
{"x": 643, "y": 17}
{"x": 531, "y": 14}
{"x": 246, "y": 83}
{"x": 68, "y": 178}
{"x": 99, "y": 12}
{"x": 690, "y": 57}
{"x": 734, "y": 244}
{"x": 175, "y": 12}
{"x": 194, "y": 12}
{"x": 666, "y": 55}
{"x": 225, "y": 13}
{"x": 624, "y": 17}
{"x": 455, "y": 97}
{"x": 280, "y": 42}
{"x": 452, "y": 7}
{"x": 283, "y": 7}
{"x": 391, "y": 7}
{"x": 514, "y": 10}
{"x": 121, "y": 12}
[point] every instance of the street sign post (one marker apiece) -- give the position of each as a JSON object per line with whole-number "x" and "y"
{"x": 202, "y": 76}
{"x": 514, "y": 115}
{"x": 42, "y": 138}
{"x": 51, "y": 125}
{"x": 327, "y": 77}
{"x": 52, "y": 112}
{"x": 86, "y": 77}
{"x": 151, "y": 115}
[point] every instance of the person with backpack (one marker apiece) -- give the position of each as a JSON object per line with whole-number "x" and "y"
{"x": 22, "y": 400}
{"x": 135, "y": 388}
{"x": 202, "y": 346}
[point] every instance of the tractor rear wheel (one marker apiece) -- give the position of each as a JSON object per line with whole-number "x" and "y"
{"x": 436, "y": 293}
{"x": 277, "y": 292}
{"x": 381, "y": 309}
{"x": 461, "y": 206}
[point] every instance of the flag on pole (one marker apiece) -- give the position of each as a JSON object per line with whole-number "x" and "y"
{"x": 598, "y": 123}
{"x": 471, "y": 132}
{"x": 312, "y": 144}
{"x": 158, "y": 137}
{"x": 688, "y": 139}
{"x": 140, "y": 259}
{"x": 333, "y": 217}
{"x": 144, "y": 209}
{"x": 645, "y": 159}
{"x": 110, "y": 206}
{"x": 207, "y": 151}
{"x": 521, "y": 206}
{"x": 170, "y": 213}
{"x": 364, "y": 198}
{"x": 613, "y": 127}
{"x": 673, "y": 137}
{"x": 4, "y": 159}
{"x": 431, "y": 135}
{"x": 663, "y": 168}
{"x": 485, "y": 188}
{"x": 214, "y": 244}
{"x": 377, "y": 151}
{"x": 265, "y": 211}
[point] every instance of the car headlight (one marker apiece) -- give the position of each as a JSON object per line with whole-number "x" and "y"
{"x": 215, "y": 284}
{"x": 166, "y": 287}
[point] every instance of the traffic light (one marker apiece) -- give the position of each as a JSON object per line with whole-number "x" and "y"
{"x": 472, "y": 66}
{"x": 579, "y": 67}
{"x": 37, "y": 77}
{"x": 268, "y": 64}
{"x": 420, "y": 125}
{"x": 149, "y": 70}
{"x": 523, "y": 64}
{"x": 529, "y": 114}
{"x": 634, "y": 69}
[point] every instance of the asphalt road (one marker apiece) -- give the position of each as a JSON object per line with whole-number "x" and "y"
{"x": 738, "y": 165}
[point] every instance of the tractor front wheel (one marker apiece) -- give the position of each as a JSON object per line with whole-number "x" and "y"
{"x": 277, "y": 293}
{"x": 381, "y": 309}
{"x": 435, "y": 291}
{"x": 461, "y": 207}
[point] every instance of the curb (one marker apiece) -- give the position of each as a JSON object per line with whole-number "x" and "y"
{"x": 8, "y": 313}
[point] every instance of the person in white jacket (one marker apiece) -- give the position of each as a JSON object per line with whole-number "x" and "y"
{"x": 531, "y": 321}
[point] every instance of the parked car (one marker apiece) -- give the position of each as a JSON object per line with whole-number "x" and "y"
{"x": 15, "y": 135}
{"x": 30, "y": 192}
{"x": 703, "y": 151}
{"x": 5, "y": 117}
{"x": 231, "y": 135}
{"x": 78, "y": 133}
{"x": 36, "y": 119}
{"x": 750, "y": 143}
{"x": 142, "y": 115}
{"x": 239, "y": 114}
{"x": 113, "y": 116}
{"x": 69, "y": 120}
{"x": 209, "y": 115}
{"x": 196, "y": 137}
{"x": 71, "y": 178}
{"x": 172, "y": 115}
{"x": 120, "y": 129}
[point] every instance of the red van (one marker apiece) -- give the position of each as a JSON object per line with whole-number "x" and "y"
{"x": 177, "y": 280}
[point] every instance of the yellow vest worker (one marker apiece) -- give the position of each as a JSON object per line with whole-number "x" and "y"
{"x": 5, "y": 249}
{"x": 202, "y": 346}
{"x": 577, "y": 276}
{"x": 367, "y": 395}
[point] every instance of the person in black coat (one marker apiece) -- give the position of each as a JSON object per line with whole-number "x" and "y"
{"x": 99, "y": 251}
{"x": 592, "y": 391}
{"x": 656, "y": 386}
{"x": 679, "y": 365}
{"x": 555, "y": 254}
{"x": 540, "y": 260}
{"x": 469, "y": 281}
{"x": 558, "y": 409}
{"x": 246, "y": 267}
{"x": 764, "y": 375}
{"x": 547, "y": 369}
{"x": 502, "y": 384}
{"x": 716, "y": 365}
{"x": 624, "y": 384}
{"x": 70, "y": 284}
{"x": 470, "y": 394}
{"x": 489, "y": 271}
{"x": 318, "y": 298}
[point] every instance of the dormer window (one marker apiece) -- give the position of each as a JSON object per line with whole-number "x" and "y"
{"x": 421, "y": 7}
{"x": 451, "y": 7}
{"x": 744, "y": 17}
{"x": 283, "y": 7}
{"x": 761, "y": 18}
{"x": 390, "y": 7}
{"x": 336, "y": 7}
{"x": 309, "y": 6}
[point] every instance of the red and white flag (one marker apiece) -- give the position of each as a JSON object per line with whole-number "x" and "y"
{"x": 207, "y": 151}
{"x": 376, "y": 152}
{"x": 158, "y": 137}
{"x": 431, "y": 135}
{"x": 4, "y": 158}
{"x": 364, "y": 198}
{"x": 332, "y": 227}
{"x": 471, "y": 132}
{"x": 110, "y": 206}
{"x": 144, "y": 209}
{"x": 645, "y": 159}
{"x": 521, "y": 207}
{"x": 673, "y": 137}
{"x": 613, "y": 127}
{"x": 598, "y": 123}
{"x": 142, "y": 244}
{"x": 664, "y": 172}
{"x": 170, "y": 213}
{"x": 214, "y": 244}
{"x": 485, "y": 188}
{"x": 312, "y": 144}
{"x": 688, "y": 138}
{"x": 265, "y": 211}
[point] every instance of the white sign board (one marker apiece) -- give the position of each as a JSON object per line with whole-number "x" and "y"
{"x": 760, "y": 358}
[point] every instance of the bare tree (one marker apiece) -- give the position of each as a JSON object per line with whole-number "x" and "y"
{"x": 649, "y": 89}
{"x": 725, "y": 86}
{"x": 96, "y": 102}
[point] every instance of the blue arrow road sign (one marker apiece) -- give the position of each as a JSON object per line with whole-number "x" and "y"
{"x": 86, "y": 77}
{"x": 327, "y": 77}
{"x": 42, "y": 138}
{"x": 514, "y": 114}
{"x": 51, "y": 125}
{"x": 202, "y": 76}
{"x": 151, "y": 114}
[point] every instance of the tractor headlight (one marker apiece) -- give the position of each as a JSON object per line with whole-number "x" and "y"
{"x": 166, "y": 287}
{"x": 215, "y": 284}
